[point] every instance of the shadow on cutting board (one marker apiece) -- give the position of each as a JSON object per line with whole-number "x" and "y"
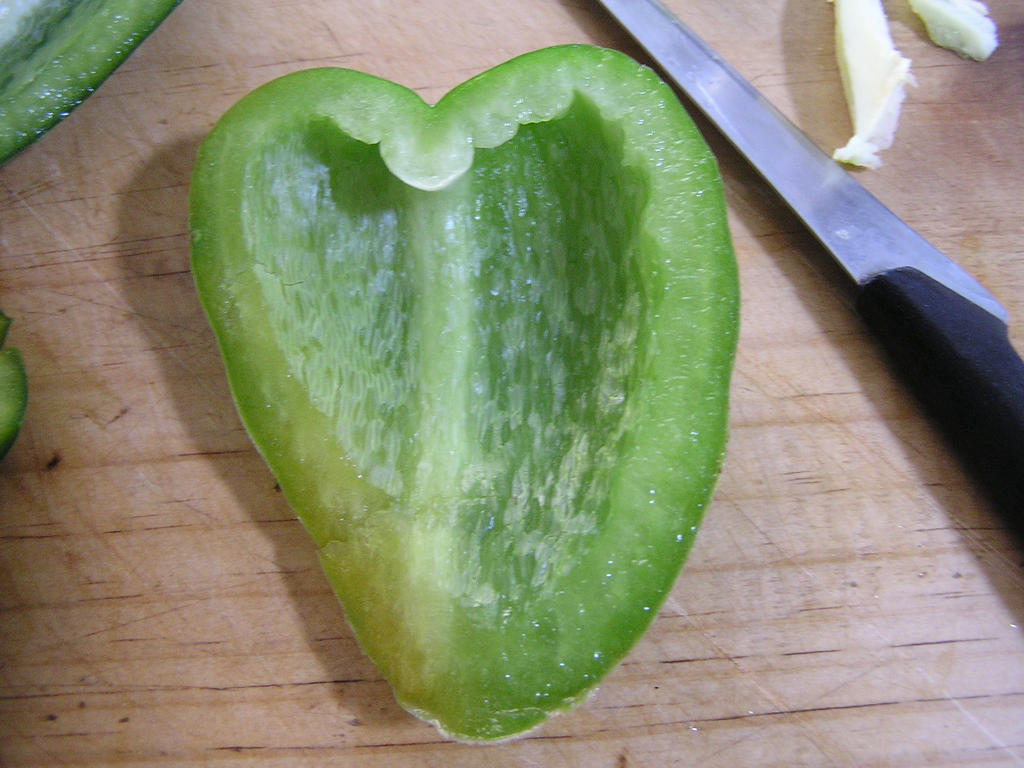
{"x": 818, "y": 102}
{"x": 157, "y": 283}
{"x": 826, "y": 295}
{"x": 816, "y": 91}
{"x": 205, "y": 408}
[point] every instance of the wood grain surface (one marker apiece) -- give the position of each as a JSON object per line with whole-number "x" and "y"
{"x": 851, "y": 599}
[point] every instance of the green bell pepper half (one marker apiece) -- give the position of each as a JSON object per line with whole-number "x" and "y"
{"x": 485, "y": 347}
{"x": 54, "y": 53}
{"x": 13, "y": 390}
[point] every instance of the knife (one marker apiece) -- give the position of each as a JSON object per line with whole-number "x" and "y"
{"x": 945, "y": 334}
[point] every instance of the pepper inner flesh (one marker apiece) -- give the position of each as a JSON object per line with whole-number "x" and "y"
{"x": 475, "y": 351}
{"x": 474, "y": 348}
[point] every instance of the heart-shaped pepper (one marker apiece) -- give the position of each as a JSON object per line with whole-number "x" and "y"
{"x": 485, "y": 348}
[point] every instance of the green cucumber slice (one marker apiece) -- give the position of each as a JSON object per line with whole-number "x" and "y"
{"x": 54, "y": 53}
{"x": 13, "y": 391}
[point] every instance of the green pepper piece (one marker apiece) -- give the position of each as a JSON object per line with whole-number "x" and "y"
{"x": 54, "y": 53}
{"x": 485, "y": 348}
{"x": 13, "y": 390}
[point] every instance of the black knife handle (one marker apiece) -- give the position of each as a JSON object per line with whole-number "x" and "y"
{"x": 958, "y": 360}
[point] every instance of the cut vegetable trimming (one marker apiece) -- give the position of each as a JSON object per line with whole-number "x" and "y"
{"x": 962, "y": 26}
{"x": 875, "y": 74}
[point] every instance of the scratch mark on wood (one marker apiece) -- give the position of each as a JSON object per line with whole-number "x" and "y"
{"x": 123, "y": 412}
{"x": 700, "y": 659}
{"x": 239, "y": 452}
{"x": 120, "y": 690}
{"x": 950, "y": 641}
{"x": 996, "y": 741}
{"x": 811, "y": 652}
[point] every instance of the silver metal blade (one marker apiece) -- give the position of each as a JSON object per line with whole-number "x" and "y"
{"x": 864, "y": 236}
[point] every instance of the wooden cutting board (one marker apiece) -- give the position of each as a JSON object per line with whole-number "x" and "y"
{"x": 851, "y": 600}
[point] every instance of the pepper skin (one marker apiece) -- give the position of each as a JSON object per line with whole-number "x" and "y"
{"x": 13, "y": 390}
{"x": 485, "y": 348}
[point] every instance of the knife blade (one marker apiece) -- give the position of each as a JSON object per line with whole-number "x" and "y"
{"x": 944, "y": 332}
